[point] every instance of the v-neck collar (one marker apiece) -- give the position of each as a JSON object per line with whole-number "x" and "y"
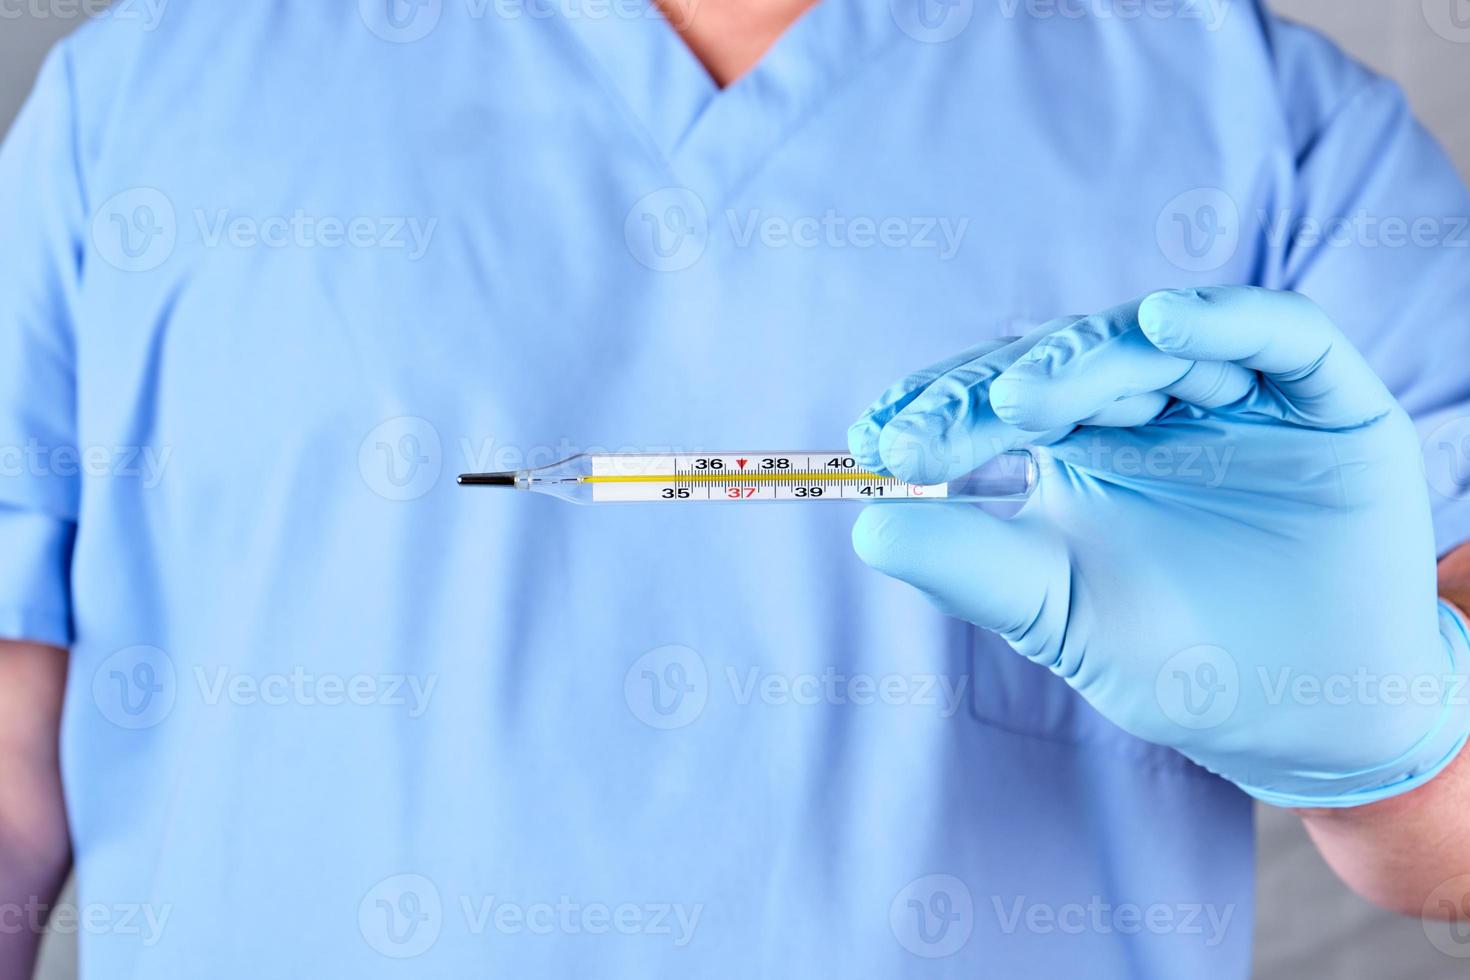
{"x": 711, "y": 138}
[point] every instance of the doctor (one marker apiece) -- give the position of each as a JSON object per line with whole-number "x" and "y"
{"x": 295, "y": 706}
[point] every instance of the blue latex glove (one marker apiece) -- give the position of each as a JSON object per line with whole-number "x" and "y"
{"x": 1230, "y": 551}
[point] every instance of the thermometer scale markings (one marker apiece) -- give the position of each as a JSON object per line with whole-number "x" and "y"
{"x": 725, "y": 478}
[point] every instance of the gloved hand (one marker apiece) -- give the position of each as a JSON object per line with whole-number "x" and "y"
{"x": 1230, "y": 549}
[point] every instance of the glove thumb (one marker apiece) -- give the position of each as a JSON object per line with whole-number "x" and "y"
{"x": 1007, "y": 576}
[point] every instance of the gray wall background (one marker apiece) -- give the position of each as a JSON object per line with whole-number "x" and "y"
{"x": 1308, "y": 925}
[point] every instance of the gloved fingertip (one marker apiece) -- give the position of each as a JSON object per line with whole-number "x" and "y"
{"x": 906, "y": 448}
{"x": 1006, "y": 397}
{"x": 1013, "y": 400}
{"x": 1162, "y": 316}
{"x": 878, "y": 537}
{"x": 862, "y": 441}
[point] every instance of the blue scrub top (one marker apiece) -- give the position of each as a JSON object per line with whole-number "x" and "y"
{"x": 273, "y": 273}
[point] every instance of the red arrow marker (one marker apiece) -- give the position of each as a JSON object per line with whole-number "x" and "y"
{"x": 742, "y": 462}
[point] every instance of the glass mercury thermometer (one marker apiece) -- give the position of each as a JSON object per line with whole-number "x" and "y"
{"x": 752, "y": 477}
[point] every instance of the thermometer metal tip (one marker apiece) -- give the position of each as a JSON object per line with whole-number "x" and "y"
{"x": 487, "y": 479}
